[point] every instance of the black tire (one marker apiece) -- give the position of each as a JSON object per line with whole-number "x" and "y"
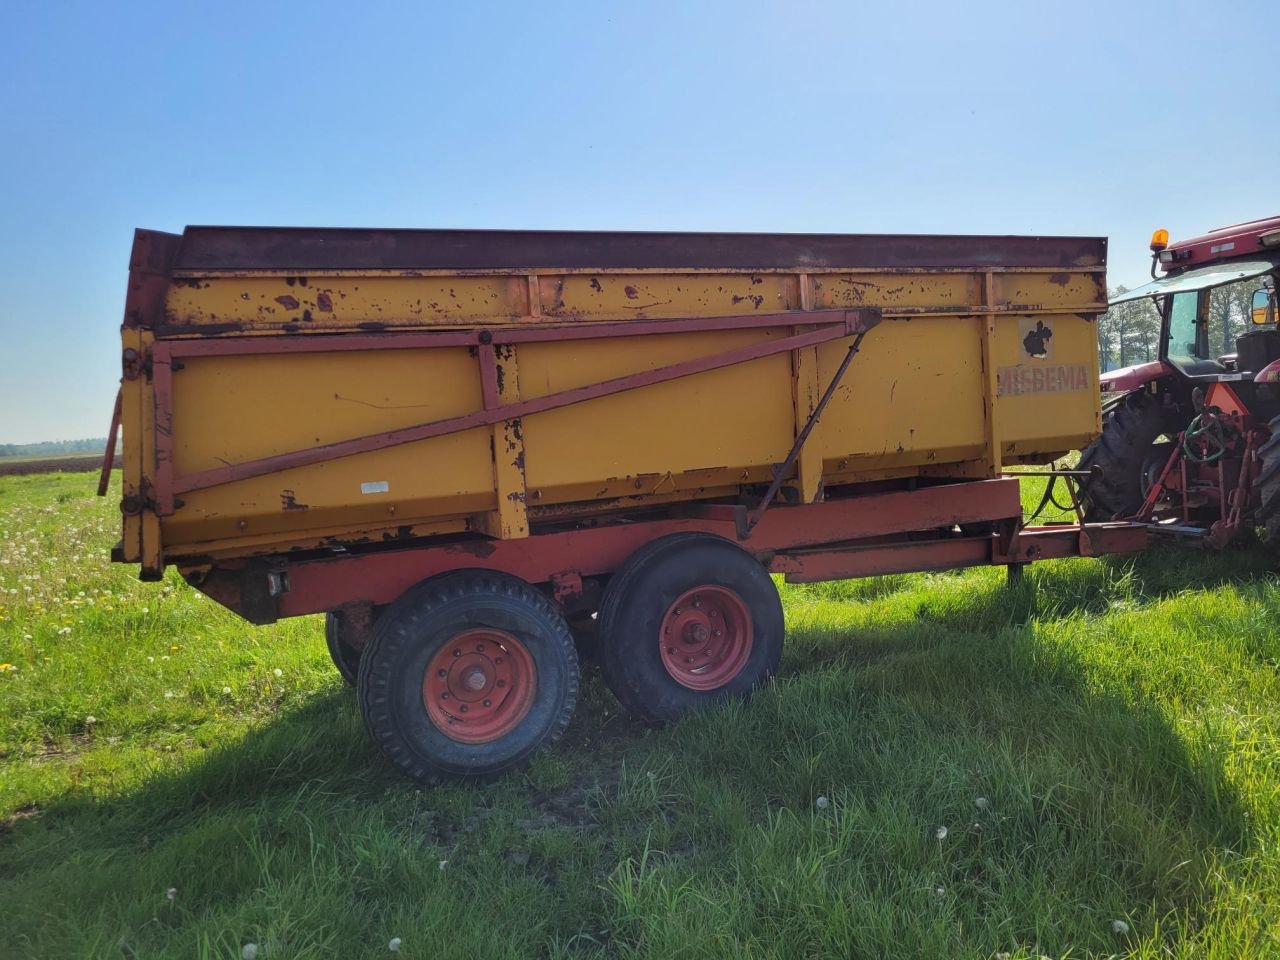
{"x": 417, "y": 627}
{"x": 1121, "y": 452}
{"x": 645, "y": 591}
{"x": 1269, "y": 486}
{"x": 344, "y": 656}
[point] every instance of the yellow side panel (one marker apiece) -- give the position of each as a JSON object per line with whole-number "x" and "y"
{"x": 721, "y": 421}
{"x": 1048, "y": 401}
{"x": 654, "y": 296}
{"x": 233, "y": 409}
{"x": 315, "y": 304}
{"x": 914, "y": 291}
{"x": 912, "y": 395}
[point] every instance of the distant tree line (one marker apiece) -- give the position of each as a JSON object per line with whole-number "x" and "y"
{"x": 52, "y": 448}
{"x": 1129, "y": 332}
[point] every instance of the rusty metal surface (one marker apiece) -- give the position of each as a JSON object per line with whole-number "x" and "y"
{"x": 150, "y": 266}
{"x": 109, "y": 455}
{"x": 302, "y": 248}
{"x": 882, "y": 559}
{"x": 380, "y": 577}
{"x": 1057, "y": 541}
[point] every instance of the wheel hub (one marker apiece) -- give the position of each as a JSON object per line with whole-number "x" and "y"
{"x": 479, "y": 685}
{"x": 705, "y": 638}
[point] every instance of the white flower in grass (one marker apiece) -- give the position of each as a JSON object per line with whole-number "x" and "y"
{"x": 168, "y": 694}
{"x": 443, "y": 864}
{"x": 171, "y": 893}
{"x": 278, "y": 672}
{"x": 941, "y": 833}
{"x": 941, "y": 891}
{"x": 982, "y": 803}
{"x": 249, "y": 952}
{"x": 822, "y": 803}
{"x": 226, "y": 690}
{"x": 394, "y": 945}
{"x": 151, "y": 659}
{"x": 90, "y": 720}
{"x": 1119, "y": 928}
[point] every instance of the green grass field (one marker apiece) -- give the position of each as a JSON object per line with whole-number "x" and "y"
{"x": 944, "y": 767}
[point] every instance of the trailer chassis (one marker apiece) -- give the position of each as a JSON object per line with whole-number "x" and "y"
{"x": 899, "y": 531}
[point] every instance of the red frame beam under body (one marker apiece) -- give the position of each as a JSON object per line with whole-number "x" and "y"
{"x": 857, "y": 536}
{"x": 831, "y": 325}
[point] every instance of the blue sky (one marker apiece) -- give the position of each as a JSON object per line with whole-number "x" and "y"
{"x": 1081, "y": 118}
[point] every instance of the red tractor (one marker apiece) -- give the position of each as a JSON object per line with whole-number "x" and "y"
{"x": 1191, "y": 441}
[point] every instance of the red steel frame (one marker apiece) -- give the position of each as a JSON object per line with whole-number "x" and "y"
{"x": 850, "y": 537}
{"x": 831, "y": 325}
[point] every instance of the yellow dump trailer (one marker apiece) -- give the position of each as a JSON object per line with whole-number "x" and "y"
{"x": 337, "y": 420}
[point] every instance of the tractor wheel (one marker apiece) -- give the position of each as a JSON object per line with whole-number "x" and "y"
{"x": 345, "y": 657}
{"x": 467, "y": 676}
{"x": 1122, "y": 452}
{"x": 1269, "y": 486}
{"x": 690, "y": 620}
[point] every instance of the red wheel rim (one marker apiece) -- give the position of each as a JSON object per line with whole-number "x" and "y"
{"x": 479, "y": 685}
{"x": 705, "y": 638}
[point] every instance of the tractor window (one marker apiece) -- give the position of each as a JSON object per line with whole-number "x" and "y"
{"x": 1185, "y": 343}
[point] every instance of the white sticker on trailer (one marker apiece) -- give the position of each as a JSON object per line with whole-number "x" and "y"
{"x": 377, "y": 486}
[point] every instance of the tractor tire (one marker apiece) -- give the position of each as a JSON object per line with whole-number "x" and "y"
{"x": 1269, "y": 486}
{"x": 1122, "y": 452}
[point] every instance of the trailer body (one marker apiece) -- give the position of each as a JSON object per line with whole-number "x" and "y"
{"x": 271, "y": 377}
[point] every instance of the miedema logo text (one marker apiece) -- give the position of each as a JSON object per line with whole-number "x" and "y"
{"x": 1052, "y": 378}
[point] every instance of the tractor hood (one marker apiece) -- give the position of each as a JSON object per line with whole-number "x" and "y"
{"x": 1202, "y": 278}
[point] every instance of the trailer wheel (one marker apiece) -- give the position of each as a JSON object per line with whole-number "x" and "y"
{"x": 1122, "y": 451}
{"x": 467, "y": 676}
{"x": 690, "y": 620}
{"x": 1268, "y": 484}
{"x": 345, "y": 657}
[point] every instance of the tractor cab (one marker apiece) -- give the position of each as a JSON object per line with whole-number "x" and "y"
{"x": 1198, "y": 273}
